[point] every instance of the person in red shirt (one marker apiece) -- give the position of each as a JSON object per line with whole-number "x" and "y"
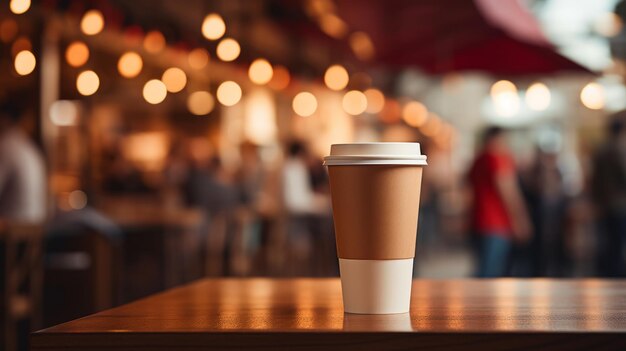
{"x": 499, "y": 215}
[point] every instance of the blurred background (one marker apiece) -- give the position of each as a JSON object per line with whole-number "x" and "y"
{"x": 146, "y": 144}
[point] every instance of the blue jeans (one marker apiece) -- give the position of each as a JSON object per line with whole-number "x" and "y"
{"x": 493, "y": 255}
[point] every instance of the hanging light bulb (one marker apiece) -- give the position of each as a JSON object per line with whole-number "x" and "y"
{"x": 19, "y": 7}
{"x": 87, "y": 83}
{"x": 304, "y": 104}
{"x": 260, "y": 71}
{"x": 25, "y": 63}
{"x": 130, "y": 64}
{"x": 154, "y": 91}
{"x": 354, "y": 102}
{"x": 538, "y": 97}
{"x": 92, "y": 22}
{"x": 77, "y": 54}
{"x": 229, "y": 93}
{"x": 174, "y": 79}
{"x": 213, "y": 26}
{"x": 336, "y": 77}
{"x": 593, "y": 96}
{"x": 228, "y": 50}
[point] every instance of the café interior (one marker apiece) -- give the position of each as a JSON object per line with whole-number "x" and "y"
{"x": 180, "y": 140}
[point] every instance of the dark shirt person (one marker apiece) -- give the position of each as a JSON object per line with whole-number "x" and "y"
{"x": 499, "y": 215}
{"x": 609, "y": 193}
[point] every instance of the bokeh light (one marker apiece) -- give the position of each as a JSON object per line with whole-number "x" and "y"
{"x": 593, "y": 96}
{"x": 414, "y": 114}
{"x": 354, "y": 102}
{"x": 25, "y": 63}
{"x": 77, "y": 54}
{"x": 362, "y": 46}
{"x": 229, "y": 93}
{"x": 304, "y": 104}
{"x": 260, "y": 71}
{"x": 198, "y": 58}
{"x": 77, "y": 199}
{"x": 432, "y": 126}
{"x": 20, "y": 44}
{"x": 174, "y": 79}
{"x": 130, "y": 64}
{"x": 538, "y": 97}
{"x": 200, "y": 103}
{"x": 213, "y": 26}
{"x": 154, "y": 42}
{"x": 64, "y": 113}
{"x": 87, "y": 83}
{"x": 375, "y": 100}
{"x": 280, "y": 78}
{"x": 333, "y": 26}
{"x": 92, "y": 22}
{"x": 505, "y": 99}
{"x": 336, "y": 77}
{"x": 154, "y": 91}
{"x": 228, "y": 50}
{"x": 18, "y": 7}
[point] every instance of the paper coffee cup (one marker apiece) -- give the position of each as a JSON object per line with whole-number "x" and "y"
{"x": 375, "y": 190}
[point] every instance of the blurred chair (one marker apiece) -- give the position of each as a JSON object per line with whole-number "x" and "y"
{"x": 82, "y": 275}
{"x": 21, "y": 280}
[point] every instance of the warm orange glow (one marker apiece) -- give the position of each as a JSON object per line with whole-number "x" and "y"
{"x": 609, "y": 24}
{"x": 538, "y": 97}
{"x": 198, "y": 58}
{"x": 130, "y": 65}
{"x": 228, "y": 50}
{"x": 503, "y": 86}
{"x": 333, "y": 26}
{"x": 260, "y": 71}
{"x": 200, "y": 103}
{"x": 213, "y": 26}
{"x": 154, "y": 91}
{"x": 25, "y": 63}
{"x": 18, "y": 7}
{"x": 77, "y": 54}
{"x": 229, "y": 93}
{"x": 354, "y": 102}
{"x": 336, "y": 77}
{"x": 8, "y": 30}
{"x": 593, "y": 96}
{"x": 92, "y": 22}
{"x": 362, "y": 46}
{"x": 77, "y": 199}
{"x": 87, "y": 83}
{"x": 154, "y": 42}
{"x": 391, "y": 112}
{"x": 280, "y": 78}
{"x": 20, "y": 44}
{"x": 505, "y": 99}
{"x": 375, "y": 100}
{"x": 432, "y": 126}
{"x": 415, "y": 114}
{"x": 64, "y": 113}
{"x": 174, "y": 79}
{"x": 304, "y": 104}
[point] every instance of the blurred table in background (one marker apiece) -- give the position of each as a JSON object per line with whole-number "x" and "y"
{"x": 307, "y": 314}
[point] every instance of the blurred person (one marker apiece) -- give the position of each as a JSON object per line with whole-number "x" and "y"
{"x": 546, "y": 254}
{"x": 608, "y": 186}
{"x": 499, "y": 215}
{"x": 22, "y": 171}
{"x": 302, "y": 204}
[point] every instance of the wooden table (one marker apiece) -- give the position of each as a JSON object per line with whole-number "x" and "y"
{"x": 306, "y": 314}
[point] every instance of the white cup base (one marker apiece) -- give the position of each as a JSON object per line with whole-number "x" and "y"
{"x": 376, "y": 286}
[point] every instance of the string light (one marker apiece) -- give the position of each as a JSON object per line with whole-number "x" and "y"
{"x": 354, "y": 102}
{"x": 592, "y": 96}
{"x": 213, "y": 26}
{"x": 174, "y": 79}
{"x": 92, "y": 22}
{"x": 336, "y": 77}
{"x": 280, "y": 78}
{"x": 228, "y": 50}
{"x": 375, "y": 100}
{"x": 77, "y": 54}
{"x": 260, "y": 71}
{"x": 415, "y": 114}
{"x": 25, "y": 63}
{"x": 18, "y": 7}
{"x": 200, "y": 103}
{"x": 130, "y": 64}
{"x": 538, "y": 97}
{"x": 304, "y": 104}
{"x": 87, "y": 83}
{"x": 154, "y": 42}
{"x": 505, "y": 99}
{"x": 154, "y": 91}
{"x": 198, "y": 58}
{"x": 229, "y": 93}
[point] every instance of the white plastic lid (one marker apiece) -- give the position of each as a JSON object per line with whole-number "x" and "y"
{"x": 375, "y": 154}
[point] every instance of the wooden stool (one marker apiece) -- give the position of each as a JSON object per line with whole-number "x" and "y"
{"x": 22, "y": 279}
